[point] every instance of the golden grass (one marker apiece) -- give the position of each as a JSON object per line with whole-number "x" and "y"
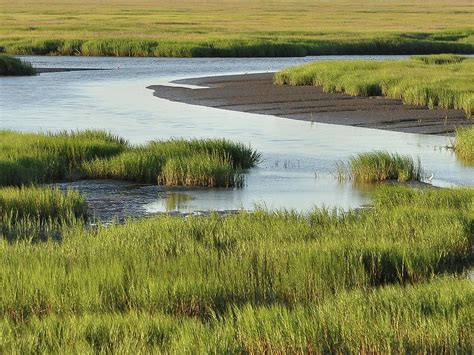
{"x": 198, "y": 20}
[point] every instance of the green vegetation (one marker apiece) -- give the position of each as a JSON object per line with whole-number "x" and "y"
{"x": 40, "y": 203}
{"x": 37, "y": 158}
{"x": 380, "y": 166}
{"x": 198, "y": 28}
{"x": 10, "y": 66}
{"x": 439, "y": 59}
{"x": 464, "y": 144}
{"x": 327, "y": 281}
{"x": 438, "y": 81}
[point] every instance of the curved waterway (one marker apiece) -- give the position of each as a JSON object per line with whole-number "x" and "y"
{"x": 299, "y": 158}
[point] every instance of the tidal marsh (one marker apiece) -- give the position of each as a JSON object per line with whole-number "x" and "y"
{"x": 328, "y": 280}
{"x": 235, "y": 29}
{"x": 433, "y": 82}
{"x": 39, "y": 158}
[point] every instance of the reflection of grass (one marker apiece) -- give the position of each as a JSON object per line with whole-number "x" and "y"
{"x": 326, "y": 281}
{"x": 10, "y": 66}
{"x": 380, "y": 166}
{"x": 445, "y": 82}
{"x": 228, "y": 28}
{"x": 464, "y": 144}
{"x": 36, "y": 158}
{"x": 176, "y": 200}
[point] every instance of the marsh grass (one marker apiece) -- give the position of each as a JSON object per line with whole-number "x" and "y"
{"x": 447, "y": 84}
{"x": 200, "y": 170}
{"x": 227, "y": 28}
{"x": 36, "y": 158}
{"x": 380, "y": 166}
{"x": 428, "y": 317}
{"x": 263, "y": 281}
{"x": 39, "y": 213}
{"x": 41, "y": 203}
{"x": 439, "y": 59}
{"x": 10, "y": 66}
{"x": 464, "y": 143}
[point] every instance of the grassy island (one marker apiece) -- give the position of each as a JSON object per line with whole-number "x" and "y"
{"x": 444, "y": 81}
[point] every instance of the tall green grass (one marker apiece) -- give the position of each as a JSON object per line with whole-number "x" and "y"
{"x": 200, "y": 170}
{"x": 39, "y": 213}
{"x": 448, "y": 84}
{"x": 368, "y": 280}
{"x": 41, "y": 203}
{"x": 240, "y": 47}
{"x": 36, "y": 158}
{"x": 380, "y": 166}
{"x": 10, "y": 66}
{"x": 464, "y": 143}
{"x": 433, "y": 317}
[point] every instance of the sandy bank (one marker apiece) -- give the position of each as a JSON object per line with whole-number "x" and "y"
{"x": 255, "y": 93}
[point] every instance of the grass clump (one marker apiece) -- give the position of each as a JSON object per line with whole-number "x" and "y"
{"x": 380, "y": 166}
{"x": 415, "y": 81}
{"x": 10, "y": 66}
{"x": 439, "y": 59}
{"x": 200, "y": 170}
{"x": 39, "y": 213}
{"x": 280, "y": 282}
{"x": 41, "y": 203}
{"x": 179, "y": 162}
{"x": 464, "y": 143}
{"x": 37, "y": 158}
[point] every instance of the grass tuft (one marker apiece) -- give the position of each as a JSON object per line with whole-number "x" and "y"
{"x": 439, "y": 59}
{"x": 10, "y": 66}
{"x": 464, "y": 143}
{"x": 380, "y": 166}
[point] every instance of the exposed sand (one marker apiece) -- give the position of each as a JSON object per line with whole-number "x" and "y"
{"x": 255, "y": 93}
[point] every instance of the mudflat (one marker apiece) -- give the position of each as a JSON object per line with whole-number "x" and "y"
{"x": 256, "y": 93}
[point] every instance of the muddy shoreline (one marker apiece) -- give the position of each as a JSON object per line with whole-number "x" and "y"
{"x": 255, "y": 93}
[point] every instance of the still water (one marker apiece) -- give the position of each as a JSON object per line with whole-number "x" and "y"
{"x": 299, "y": 158}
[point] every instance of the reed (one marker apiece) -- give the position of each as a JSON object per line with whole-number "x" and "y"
{"x": 380, "y": 166}
{"x": 37, "y": 158}
{"x": 10, "y": 66}
{"x": 250, "y": 282}
{"x": 200, "y": 170}
{"x": 448, "y": 84}
{"x": 40, "y": 203}
{"x": 464, "y": 143}
{"x": 420, "y": 318}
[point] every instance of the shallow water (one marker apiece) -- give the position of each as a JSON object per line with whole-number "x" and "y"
{"x": 299, "y": 157}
